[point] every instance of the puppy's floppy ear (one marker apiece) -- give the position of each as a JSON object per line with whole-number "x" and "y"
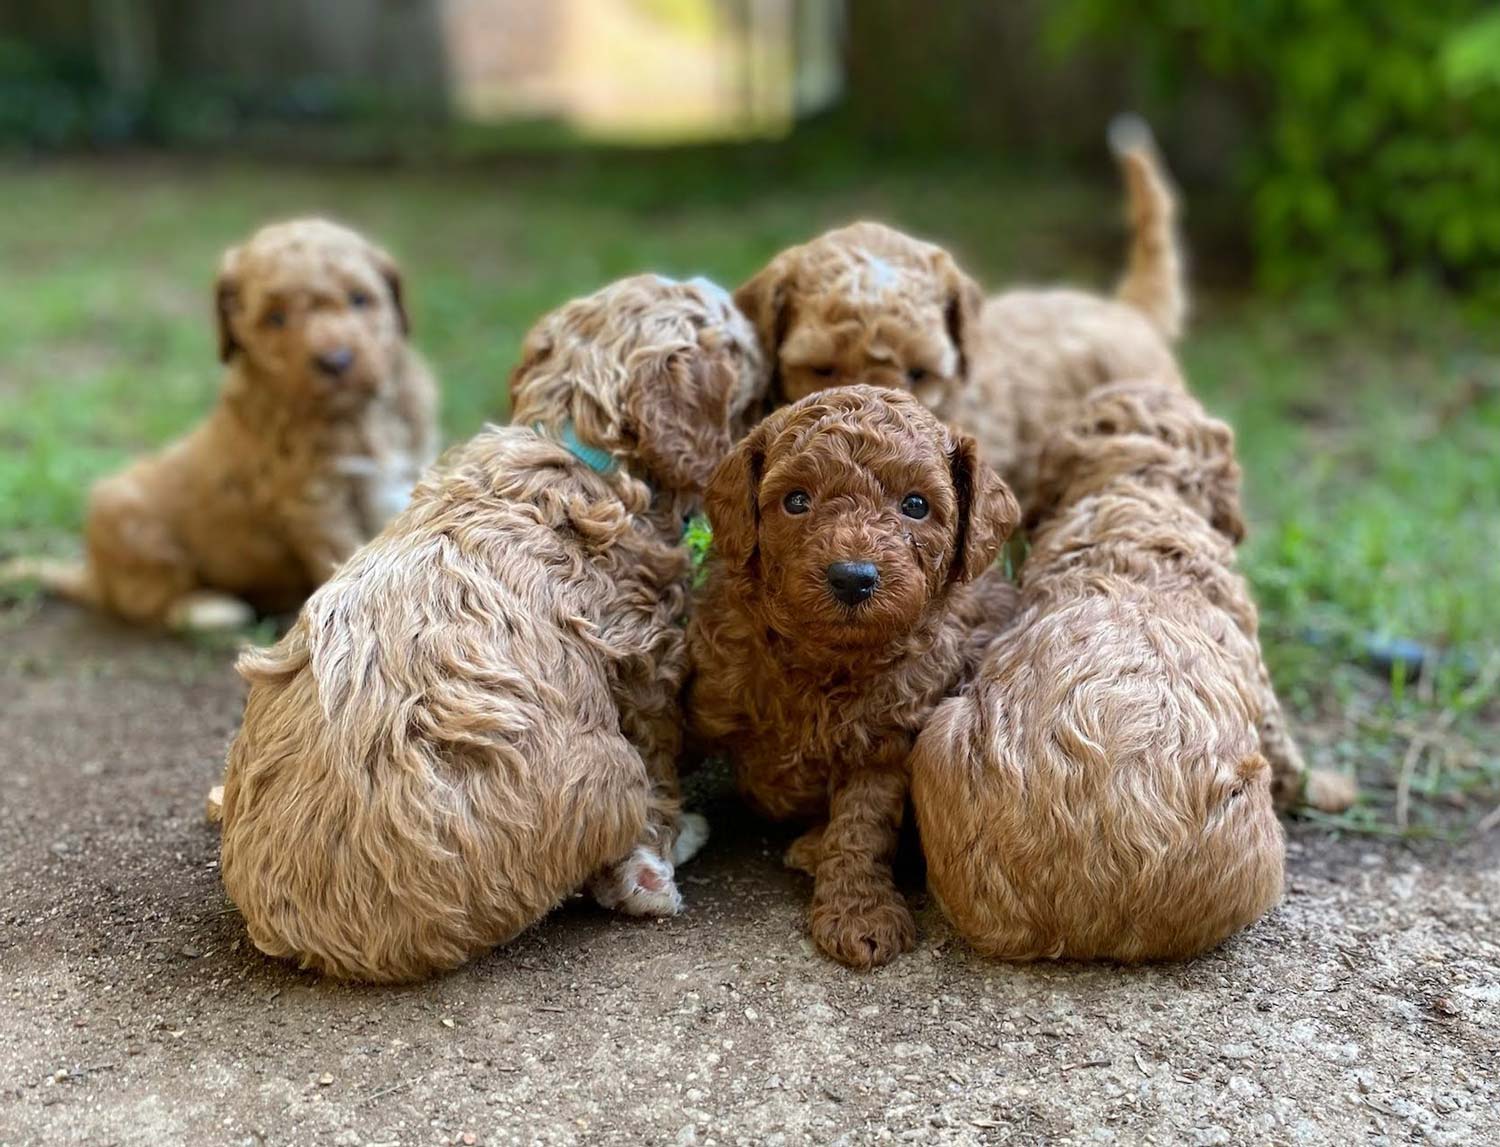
{"x": 732, "y": 499}
{"x": 676, "y": 412}
{"x": 227, "y": 302}
{"x": 960, "y": 309}
{"x": 766, "y": 301}
{"x": 987, "y": 512}
{"x": 392, "y": 276}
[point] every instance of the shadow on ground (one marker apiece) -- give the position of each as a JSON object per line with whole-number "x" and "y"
{"x": 1367, "y": 1008}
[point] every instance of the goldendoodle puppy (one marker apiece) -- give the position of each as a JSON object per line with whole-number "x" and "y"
{"x": 1107, "y": 787}
{"x": 837, "y": 613}
{"x": 866, "y": 303}
{"x": 325, "y": 421}
{"x": 480, "y": 712}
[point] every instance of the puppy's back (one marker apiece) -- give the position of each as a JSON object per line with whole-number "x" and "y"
{"x": 431, "y": 759}
{"x": 1100, "y": 792}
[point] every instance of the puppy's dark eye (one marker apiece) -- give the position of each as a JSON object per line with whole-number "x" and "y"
{"x": 360, "y": 299}
{"x": 822, "y": 371}
{"x": 914, "y": 506}
{"x": 276, "y": 318}
{"x": 797, "y": 502}
{"x": 917, "y": 375}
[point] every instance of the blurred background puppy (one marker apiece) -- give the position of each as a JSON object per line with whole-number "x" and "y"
{"x": 838, "y": 612}
{"x": 325, "y": 421}
{"x": 867, "y": 303}
{"x": 480, "y": 713}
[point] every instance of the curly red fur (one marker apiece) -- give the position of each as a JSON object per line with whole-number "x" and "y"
{"x": 819, "y": 701}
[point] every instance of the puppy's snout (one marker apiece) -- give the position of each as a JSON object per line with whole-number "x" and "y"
{"x": 852, "y": 582}
{"x": 334, "y": 362}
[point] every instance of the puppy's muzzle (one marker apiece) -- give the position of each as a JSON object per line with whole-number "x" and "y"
{"x": 334, "y": 362}
{"x": 852, "y": 582}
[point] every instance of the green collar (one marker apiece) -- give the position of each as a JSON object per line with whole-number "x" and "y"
{"x": 597, "y": 460}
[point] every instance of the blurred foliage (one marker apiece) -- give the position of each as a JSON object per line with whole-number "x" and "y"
{"x": 1471, "y": 57}
{"x": 54, "y": 99}
{"x": 1373, "y": 147}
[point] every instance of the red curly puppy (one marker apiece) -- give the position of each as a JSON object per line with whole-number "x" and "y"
{"x": 837, "y": 615}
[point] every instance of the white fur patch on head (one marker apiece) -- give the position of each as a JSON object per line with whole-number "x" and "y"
{"x": 712, "y": 289}
{"x": 872, "y": 277}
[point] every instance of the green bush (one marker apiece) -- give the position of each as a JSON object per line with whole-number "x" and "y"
{"x": 1374, "y": 138}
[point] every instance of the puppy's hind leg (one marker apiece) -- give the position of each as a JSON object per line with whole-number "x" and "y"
{"x": 644, "y": 883}
{"x": 138, "y": 566}
{"x": 1293, "y": 784}
{"x": 804, "y": 853}
{"x": 70, "y": 581}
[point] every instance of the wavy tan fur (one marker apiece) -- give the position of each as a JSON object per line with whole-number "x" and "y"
{"x": 480, "y": 713}
{"x": 867, "y": 303}
{"x": 293, "y": 468}
{"x": 1107, "y": 786}
{"x": 819, "y": 702}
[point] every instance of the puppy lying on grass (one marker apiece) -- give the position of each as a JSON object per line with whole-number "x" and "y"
{"x": 1107, "y": 788}
{"x": 325, "y": 421}
{"x": 480, "y": 713}
{"x": 838, "y": 613}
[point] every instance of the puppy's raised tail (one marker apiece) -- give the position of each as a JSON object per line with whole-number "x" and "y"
{"x": 68, "y": 580}
{"x": 1154, "y": 281}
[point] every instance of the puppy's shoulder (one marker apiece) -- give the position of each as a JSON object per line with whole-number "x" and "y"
{"x": 723, "y": 623}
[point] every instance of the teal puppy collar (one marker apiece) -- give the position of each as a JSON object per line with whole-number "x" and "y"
{"x": 597, "y": 460}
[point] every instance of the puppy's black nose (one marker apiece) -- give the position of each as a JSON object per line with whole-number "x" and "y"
{"x": 335, "y": 361}
{"x": 852, "y": 582}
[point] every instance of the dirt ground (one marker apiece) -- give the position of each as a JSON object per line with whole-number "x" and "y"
{"x": 133, "y": 1011}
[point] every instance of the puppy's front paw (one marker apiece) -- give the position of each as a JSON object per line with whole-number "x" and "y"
{"x": 692, "y": 835}
{"x": 642, "y": 884}
{"x": 863, "y": 931}
{"x": 804, "y": 853}
{"x": 1329, "y": 792}
{"x": 208, "y": 612}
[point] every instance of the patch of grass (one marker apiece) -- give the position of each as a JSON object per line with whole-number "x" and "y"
{"x": 1367, "y": 426}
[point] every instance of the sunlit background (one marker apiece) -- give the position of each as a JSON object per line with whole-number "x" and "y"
{"x": 1339, "y": 163}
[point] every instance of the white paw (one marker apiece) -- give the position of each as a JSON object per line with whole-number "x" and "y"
{"x": 640, "y": 885}
{"x": 692, "y": 835}
{"x": 209, "y": 612}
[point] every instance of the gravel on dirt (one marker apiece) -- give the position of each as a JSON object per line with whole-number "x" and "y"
{"x": 1365, "y": 1010}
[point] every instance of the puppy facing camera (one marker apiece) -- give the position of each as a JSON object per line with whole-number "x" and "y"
{"x": 324, "y": 422}
{"x": 850, "y": 587}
